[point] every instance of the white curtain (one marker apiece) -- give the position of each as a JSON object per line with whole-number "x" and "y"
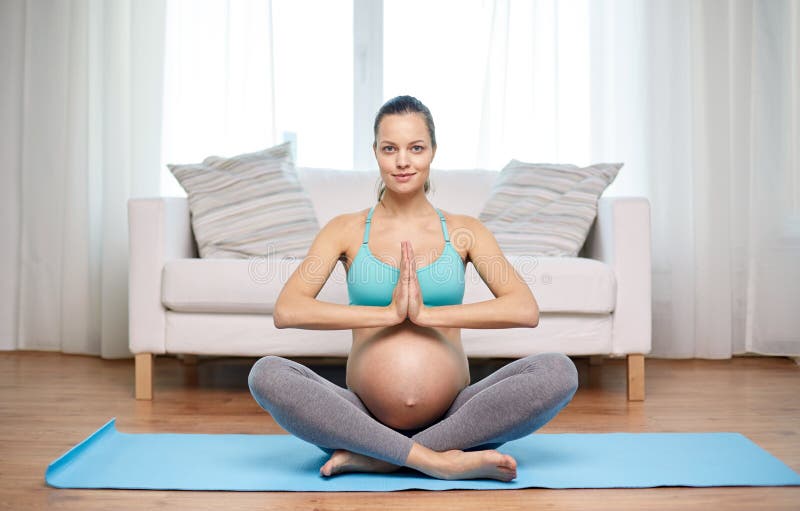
{"x": 241, "y": 76}
{"x": 79, "y": 134}
{"x": 701, "y": 100}
{"x": 218, "y": 82}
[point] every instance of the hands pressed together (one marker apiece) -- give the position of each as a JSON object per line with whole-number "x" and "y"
{"x": 407, "y": 296}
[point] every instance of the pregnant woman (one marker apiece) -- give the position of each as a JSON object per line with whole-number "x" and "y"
{"x": 409, "y": 401}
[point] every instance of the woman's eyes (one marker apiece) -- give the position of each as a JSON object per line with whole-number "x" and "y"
{"x": 416, "y": 148}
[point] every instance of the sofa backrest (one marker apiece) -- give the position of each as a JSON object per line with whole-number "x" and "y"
{"x": 334, "y": 192}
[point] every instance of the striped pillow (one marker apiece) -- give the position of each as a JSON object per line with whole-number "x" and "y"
{"x": 545, "y": 209}
{"x": 248, "y": 205}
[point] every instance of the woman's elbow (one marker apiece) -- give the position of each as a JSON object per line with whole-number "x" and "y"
{"x": 532, "y": 315}
{"x": 277, "y": 319}
{"x": 531, "y": 319}
{"x": 280, "y": 315}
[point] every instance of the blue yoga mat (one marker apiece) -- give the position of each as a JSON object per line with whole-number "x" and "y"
{"x": 172, "y": 461}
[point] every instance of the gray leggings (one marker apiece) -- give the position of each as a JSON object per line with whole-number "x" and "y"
{"x": 510, "y": 403}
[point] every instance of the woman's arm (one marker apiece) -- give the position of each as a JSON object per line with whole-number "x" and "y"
{"x": 312, "y": 314}
{"x": 297, "y": 306}
{"x": 513, "y": 305}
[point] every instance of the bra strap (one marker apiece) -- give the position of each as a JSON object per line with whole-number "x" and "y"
{"x": 369, "y": 222}
{"x": 444, "y": 226}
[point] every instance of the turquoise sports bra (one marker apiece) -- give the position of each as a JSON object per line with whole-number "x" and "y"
{"x": 370, "y": 281}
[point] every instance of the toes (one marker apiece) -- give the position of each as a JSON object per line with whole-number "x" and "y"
{"x": 330, "y": 467}
{"x": 323, "y": 471}
{"x": 508, "y": 467}
{"x": 509, "y": 462}
{"x": 513, "y": 463}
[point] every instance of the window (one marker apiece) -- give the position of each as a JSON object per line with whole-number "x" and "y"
{"x": 502, "y": 79}
{"x": 242, "y": 76}
{"x": 314, "y": 80}
{"x": 443, "y": 69}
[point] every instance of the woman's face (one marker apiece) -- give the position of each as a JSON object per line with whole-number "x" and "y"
{"x": 403, "y": 146}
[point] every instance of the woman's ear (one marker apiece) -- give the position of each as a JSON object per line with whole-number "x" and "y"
{"x": 433, "y": 152}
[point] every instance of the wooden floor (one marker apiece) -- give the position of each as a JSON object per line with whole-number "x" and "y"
{"x": 49, "y": 402}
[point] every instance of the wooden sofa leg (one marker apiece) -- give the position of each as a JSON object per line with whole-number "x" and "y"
{"x": 144, "y": 376}
{"x": 635, "y": 377}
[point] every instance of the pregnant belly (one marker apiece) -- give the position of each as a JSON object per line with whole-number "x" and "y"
{"x": 407, "y": 378}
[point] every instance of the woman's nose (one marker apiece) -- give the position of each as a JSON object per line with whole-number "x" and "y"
{"x": 401, "y": 160}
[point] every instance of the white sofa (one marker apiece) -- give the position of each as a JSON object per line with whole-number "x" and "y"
{"x": 594, "y": 304}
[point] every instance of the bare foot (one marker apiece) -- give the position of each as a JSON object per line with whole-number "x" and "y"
{"x": 489, "y": 464}
{"x": 342, "y": 461}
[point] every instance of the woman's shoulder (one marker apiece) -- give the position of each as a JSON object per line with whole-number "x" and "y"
{"x": 470, "y": 233}
{"x": 346, "y": 222}
{"x": 456, "y": 220}
{"x": 344, "y": 229}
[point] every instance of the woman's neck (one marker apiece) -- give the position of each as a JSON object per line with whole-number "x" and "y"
{"x": 401, "y": 207}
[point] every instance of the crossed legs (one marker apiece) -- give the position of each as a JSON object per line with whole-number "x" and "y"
{"x": 512, "y": 402}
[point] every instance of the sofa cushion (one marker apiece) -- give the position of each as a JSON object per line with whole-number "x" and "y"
{"x": 545, "y": 209}
{"x": 248, "y": 205}
{"x": 327, "y": 187}
{"x": 560, "y": 284}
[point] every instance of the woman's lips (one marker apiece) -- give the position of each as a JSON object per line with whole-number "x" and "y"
{"x": 404, "y": 177}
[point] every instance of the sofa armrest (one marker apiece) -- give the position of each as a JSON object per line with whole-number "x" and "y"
{"x": 620, "y": 237}
{"x": 159, "y": 230}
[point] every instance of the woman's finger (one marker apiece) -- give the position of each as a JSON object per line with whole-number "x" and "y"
{"x": 403, "y": 262}
{"x": 409, "y": 261}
